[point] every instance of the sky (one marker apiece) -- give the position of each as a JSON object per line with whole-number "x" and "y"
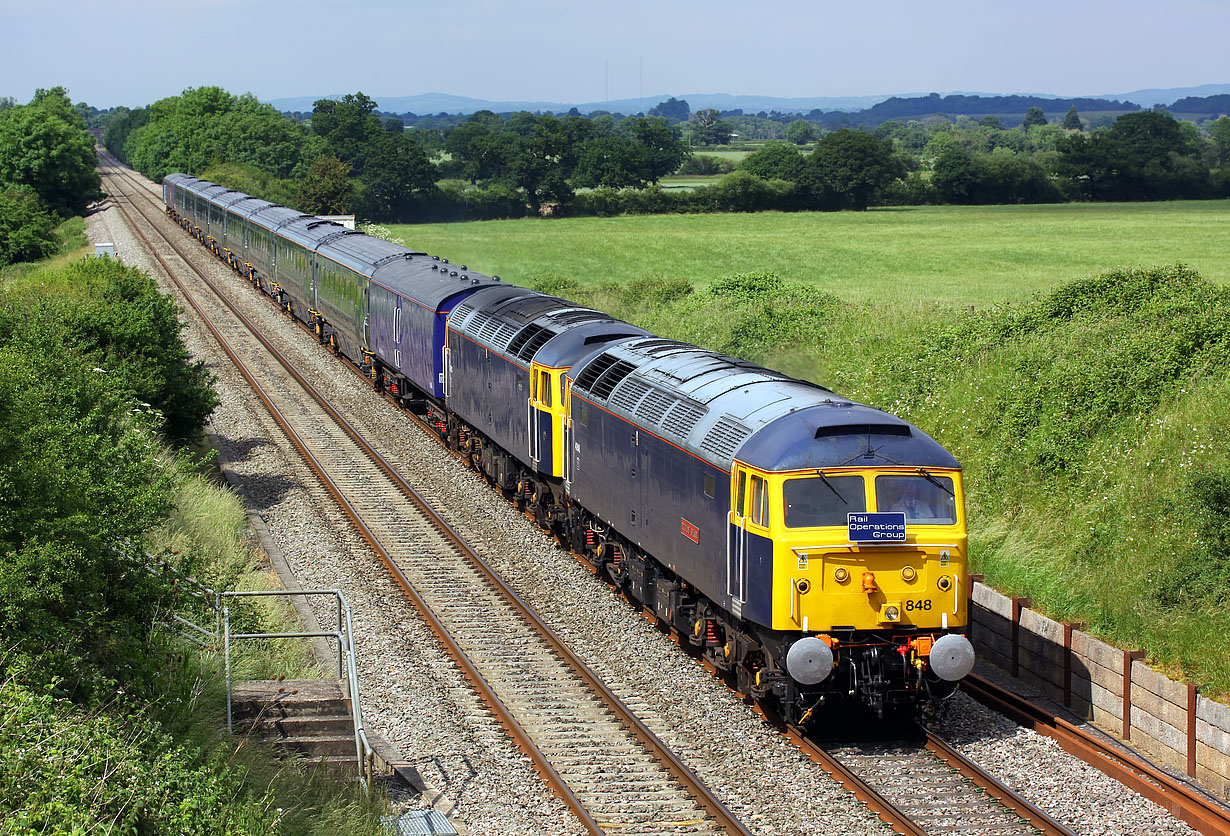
{"x": 134, "y": 52}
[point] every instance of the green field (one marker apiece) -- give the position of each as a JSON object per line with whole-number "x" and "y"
{"x": 962, "y": 255}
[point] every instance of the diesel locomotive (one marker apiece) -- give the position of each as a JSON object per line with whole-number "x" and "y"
{"x": 812, "y": 548}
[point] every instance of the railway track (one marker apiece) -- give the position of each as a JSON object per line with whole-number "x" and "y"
{"x": 606, "y": 765}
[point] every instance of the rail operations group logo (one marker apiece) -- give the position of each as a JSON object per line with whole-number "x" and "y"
{"x": 881, "y": 527}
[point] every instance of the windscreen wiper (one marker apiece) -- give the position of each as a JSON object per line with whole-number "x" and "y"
{"x": 924, "y": 474}
{"x": 829, "y": 485}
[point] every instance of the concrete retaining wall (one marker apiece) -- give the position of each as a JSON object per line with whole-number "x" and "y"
{"x": 1168, "y": 720}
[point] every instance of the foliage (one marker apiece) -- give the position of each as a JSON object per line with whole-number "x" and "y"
{"x": 775, "y": 160}
{"x": 801, "y": 132}
{"x": 44, "y": 146}
{"x": 1072, "y": 120}
{"x": 207, "y": 126}
{"x": 1219, "y": 132}
{"x": 849, "y": 170}
{"x": 68, "y": 771}
{"x": 969, "y": 178}
{"x": 1034, "y": 116}
{"x": 250, "y": 180}
{"x": 705, "y": 164}
{"x": 327, "y": 189}
{"x": 27, "y": 230}
{"x": 672, "y": 110}
{"x": 1144, "y": 156}
{"x": 115, "y": 319}
{"x": 707, "y": 128}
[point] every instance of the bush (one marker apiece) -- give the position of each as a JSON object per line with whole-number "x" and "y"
{"x": 115, "y": 318}
{"x": 706, "y": 164}
{"x": 27, "y": 229}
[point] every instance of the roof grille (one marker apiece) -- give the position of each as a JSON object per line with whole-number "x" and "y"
{"x": 528, "y": 347}
{"x": 607, "y": 383}
{"x": 629, "y": 394}
{"x": 656, "y": 348}
{"x": 585, "y": 380}
{"x": 573, "y": 317}
{"x": 459, "y": 314}
{"x": 725, "y": 437}
{"x": 654, "y": 406}
{"x": 682, "y": 417}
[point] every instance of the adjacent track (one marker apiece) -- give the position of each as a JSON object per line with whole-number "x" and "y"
{"x": 606, "y": 765}
{"x": 1176, "y": 796}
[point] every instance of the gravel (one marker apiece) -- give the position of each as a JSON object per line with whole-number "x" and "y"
{"x": 413, "y": 695}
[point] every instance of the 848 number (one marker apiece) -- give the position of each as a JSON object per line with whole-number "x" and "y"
{"x": 911, "y": 606}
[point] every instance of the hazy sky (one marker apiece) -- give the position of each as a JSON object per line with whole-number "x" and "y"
{"x": 134, "y": 52}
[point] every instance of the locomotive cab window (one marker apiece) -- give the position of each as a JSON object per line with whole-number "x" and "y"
{"x": 544, "y": 389}
{"x": 822, "y": 500}
{"x": 758, "y": 512}
{"x": 710, "y": 485}
{"x": 926, "y": 500}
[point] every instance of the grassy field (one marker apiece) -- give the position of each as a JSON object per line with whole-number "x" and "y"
{"x": 960, "y": 255}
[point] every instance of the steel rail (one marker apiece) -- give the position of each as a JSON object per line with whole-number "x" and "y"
{"x": 664, "y": 755}
{"x": 864, "y": 792}
{"x": 1175, "y": 796}
{"x": 1037, "y": 819}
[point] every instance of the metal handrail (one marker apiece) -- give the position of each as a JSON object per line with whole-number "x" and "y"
{"x": 346, "y": 663}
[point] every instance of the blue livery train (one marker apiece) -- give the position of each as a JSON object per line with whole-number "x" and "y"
{"x": 813, "y": 549}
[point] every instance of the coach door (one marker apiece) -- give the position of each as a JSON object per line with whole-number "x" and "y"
{"x": 736, "y": 542}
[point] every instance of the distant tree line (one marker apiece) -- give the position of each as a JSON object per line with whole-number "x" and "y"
{"x": 347, "y": 156}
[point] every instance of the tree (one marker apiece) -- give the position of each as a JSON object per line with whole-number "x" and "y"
{"x": 662, "y": 151}
{"x": 1072, "y": 120}
{"x": 44, "y": 145}
{"x": 1219, "y": 131}
{"x": 350, "y": 127}
{"x": 1146, "y": 155}
{"x": 775, "y": 160}
{"x": 672, "y": 110}
{"x": 849, "y": 169}
{"x": 327, "y": 189}
{"x": 27, "y": 229}
{"x": 992, "y": 122}
{"x": 1033, "y": 116}
{"x": 707, "y": 129}
{"x": 801, "y": 132}
{"x": 397, "y": 170}
{"x": 609, "y": 161}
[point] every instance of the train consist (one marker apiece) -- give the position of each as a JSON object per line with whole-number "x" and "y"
{"x": 813, "y": 548}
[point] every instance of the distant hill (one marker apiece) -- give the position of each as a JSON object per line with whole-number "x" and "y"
{"x": 1005, "y": 107}
{"x": 432, "y": 103}
{"x": 1151, "y": 97}
{"x": 875, "y": 108}
{"x": 1200, "y": 105}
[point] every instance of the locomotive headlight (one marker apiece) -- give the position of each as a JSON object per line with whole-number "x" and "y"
{"x": 890, "y": 612}
{"x": 841, "y": 574}
{"x": 908, "y": 573}
{"x": 945, "y": 583}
